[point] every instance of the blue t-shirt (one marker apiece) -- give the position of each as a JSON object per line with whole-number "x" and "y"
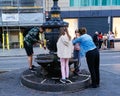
{"x": 86, "y": 44}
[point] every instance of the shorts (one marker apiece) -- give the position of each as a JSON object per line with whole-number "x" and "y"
{"x": 28, "y": 49}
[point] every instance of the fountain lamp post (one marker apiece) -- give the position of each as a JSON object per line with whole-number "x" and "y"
{"x": 52, "y": 26}
{"x": 50, "y": 62}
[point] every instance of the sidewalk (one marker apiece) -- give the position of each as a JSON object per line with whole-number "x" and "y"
{"x": 37, "y": 50}
{"x": 21, "y": 52}
{"x": 117, "y": 48}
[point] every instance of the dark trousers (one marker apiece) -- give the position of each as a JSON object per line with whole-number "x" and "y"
{"x": 93, "y": 60}
{"x": 111, "y": 43}
{"x": 76, "y": 56}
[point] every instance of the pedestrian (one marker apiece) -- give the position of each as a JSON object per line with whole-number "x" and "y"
{"x": 111, "y": 38}
{"x": 30, "y": 39}
{"x": 88, "y": 48}
{"x": 64, "y": 52}
{"x": 100, "y": 36}
{"x": 76, "y": 54}
{"x": 96, "y": 39}
{"x": 104, "y": 45}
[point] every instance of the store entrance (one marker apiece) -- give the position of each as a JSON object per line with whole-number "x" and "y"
{"x": 73, "y": 25}
{"x": 10, "y": 37}
{"x": 116, "y": 27}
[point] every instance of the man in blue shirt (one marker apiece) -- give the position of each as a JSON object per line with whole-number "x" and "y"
{"x": 88, "y": 49}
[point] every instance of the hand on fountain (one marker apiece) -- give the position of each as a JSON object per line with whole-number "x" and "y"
{"x": 44, "y": 47}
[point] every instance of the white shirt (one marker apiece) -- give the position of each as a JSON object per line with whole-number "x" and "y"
{"x": 64, "y": 47}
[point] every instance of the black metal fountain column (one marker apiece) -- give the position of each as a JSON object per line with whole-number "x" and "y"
{"x": 46, "y": 77}
{"x": 52, "y": 26}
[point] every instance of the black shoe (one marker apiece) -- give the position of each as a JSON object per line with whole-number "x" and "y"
{"x": 68, "y": 80}
{"x": 77, "y": 73}
{"x": 94, "y": 86}
{"x": 63, "y": 81}
{"x": 32, "y": 69}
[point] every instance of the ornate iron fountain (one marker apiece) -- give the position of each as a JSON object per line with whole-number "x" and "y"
{"x": 46, "y": 77}
{"x": 50, "y": 62}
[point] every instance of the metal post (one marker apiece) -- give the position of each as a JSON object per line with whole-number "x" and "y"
{"x": 109, "y": 20}
{"x": 7, "y": 39}
{"x": 21, "y": 39}
{"x": 3, "y": 40}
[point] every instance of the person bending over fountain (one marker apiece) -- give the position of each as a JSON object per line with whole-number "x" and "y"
{"x": 30, "y": 39}
{"x": 64, "y": 52}
{"x": 89, "y": 49}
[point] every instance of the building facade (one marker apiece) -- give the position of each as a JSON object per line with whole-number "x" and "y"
{"x": 95, "y": 15}
{"x": 15, "y": 17}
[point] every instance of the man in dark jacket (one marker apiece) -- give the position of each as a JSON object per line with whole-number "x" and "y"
{"x": 95, "y": 39}
{"x": 31, "y": 38}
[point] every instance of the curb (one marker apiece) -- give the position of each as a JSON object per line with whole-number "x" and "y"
{"x": 108, "y": 51}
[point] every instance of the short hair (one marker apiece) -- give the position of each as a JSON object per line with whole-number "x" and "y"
{"x": 42, "y": 27}
{"x": 82, "y": 30}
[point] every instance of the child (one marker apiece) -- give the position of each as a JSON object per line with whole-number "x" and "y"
{"x": 64, "y": 52}
{"x": 76, "y": 53}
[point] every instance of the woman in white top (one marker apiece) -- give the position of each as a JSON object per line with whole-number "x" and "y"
{"x": 64, "y": 52}
{"x": 111, "y": 38}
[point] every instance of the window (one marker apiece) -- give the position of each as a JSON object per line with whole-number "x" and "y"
{"x": 95, "y": 2}
{"x": 84, "y": 2}
{"x": 74, "y": 3}
{"x": 27, "y": 2}
{"x": 106, "y": 2}
{"x": 115, "y": 2}
{"x": 8, "y": 2}
{"x": 71, "y": 2}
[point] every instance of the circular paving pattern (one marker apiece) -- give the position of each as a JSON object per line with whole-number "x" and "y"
{"x": 38, "y": 81}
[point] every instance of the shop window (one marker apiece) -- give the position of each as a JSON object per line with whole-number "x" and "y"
{"x": 116, "y": 27}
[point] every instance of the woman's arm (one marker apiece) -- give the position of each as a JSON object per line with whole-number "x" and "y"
{"x": 66, "y": 30}
{"x": 77, "y": 40}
